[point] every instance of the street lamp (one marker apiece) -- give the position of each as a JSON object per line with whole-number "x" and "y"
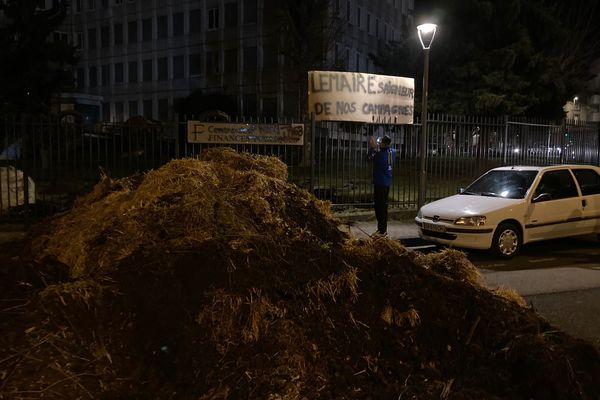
{"x": 426, "y": 35}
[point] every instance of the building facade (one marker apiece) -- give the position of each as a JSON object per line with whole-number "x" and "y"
{"x": 138, "y": 57}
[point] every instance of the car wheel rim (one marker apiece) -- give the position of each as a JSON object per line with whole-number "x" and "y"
{"x": 507, "y": 243}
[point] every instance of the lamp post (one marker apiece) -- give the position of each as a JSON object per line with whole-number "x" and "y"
{"x": 426, "y": 35}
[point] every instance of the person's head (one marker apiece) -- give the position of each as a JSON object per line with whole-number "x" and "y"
{"x": 386, "y": 140}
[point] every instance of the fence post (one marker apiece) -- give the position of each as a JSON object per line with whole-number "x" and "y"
{"x": 177, "y": 125}
{"x": 563, "y": 131}
{"x": 313, "y": 125}
{"x": 505, "y": 147}
{"x": 598, "y": 144}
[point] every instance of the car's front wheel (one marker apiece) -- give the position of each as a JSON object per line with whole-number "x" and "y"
{"x": 507, "y": 240}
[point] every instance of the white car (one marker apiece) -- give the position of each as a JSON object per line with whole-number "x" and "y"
{"x": 509, "y": 206}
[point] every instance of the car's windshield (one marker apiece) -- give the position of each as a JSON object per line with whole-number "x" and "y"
{"x": 510, "y": 184}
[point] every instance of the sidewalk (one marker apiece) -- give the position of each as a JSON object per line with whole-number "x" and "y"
{"x": 401, "y": 224}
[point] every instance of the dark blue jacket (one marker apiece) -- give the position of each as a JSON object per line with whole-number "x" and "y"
{"x": 383, "y": 165}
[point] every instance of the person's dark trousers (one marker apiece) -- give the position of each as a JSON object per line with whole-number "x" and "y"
{"x": 380, "y": 198}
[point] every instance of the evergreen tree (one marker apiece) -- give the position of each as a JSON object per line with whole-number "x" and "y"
{"x": 34, "y": 64}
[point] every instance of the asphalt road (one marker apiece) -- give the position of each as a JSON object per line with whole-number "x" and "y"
{"x": 560, "y": 279}
{"x": 581, "y": 252}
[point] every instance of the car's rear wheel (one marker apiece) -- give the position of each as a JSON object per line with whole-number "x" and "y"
{"x": 507, "y": 240}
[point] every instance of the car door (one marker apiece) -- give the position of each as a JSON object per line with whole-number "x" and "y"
{"x": 588, "y": 180}
{"x": 555, "y": 209}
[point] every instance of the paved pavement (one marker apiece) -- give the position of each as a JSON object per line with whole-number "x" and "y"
{"x": 397, "y": 229}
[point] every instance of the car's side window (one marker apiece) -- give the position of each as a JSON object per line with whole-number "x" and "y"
{"x": 558, "y": 184}
{"x": 588, "y": 179}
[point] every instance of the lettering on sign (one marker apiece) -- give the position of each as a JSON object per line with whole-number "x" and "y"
{"x": 214, "y": 132}
{"x": 359, "y": 97}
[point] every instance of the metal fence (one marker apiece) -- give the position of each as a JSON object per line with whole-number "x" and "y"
{"x": 46, "y": 161}
{"x": 459, "y": 149}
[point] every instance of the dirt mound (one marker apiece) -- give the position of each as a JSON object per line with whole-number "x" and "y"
{"x": 217, "y": 279}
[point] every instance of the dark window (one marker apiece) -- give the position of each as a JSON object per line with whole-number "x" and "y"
{"x": 249, "y": 11}
{"x": 92, "y": 38}
{"x": 147, "y": 29}
{"x": 161, "y": 26}
{"x": 104, "y": 3}
{"x": 119, "y": 73}
{"x": 119, "y": 111}
{"x": 105, "y": 75}
{"x": 106, "y": 111}
{"x": 133, "y": 71}
{"x": 80, "y": 78}
{"x": 104, "y": 37}
{"x": 178, "y": 24}
{"x": 269, "y": 57}
{"x": 559, "y": 184}
{"x": 132, "y": 32}
{"x": 250, "y": 58}
{"x": 336, "y": 54}
{"x": 589, "y": 181}
{"x": 93, "y": 76}
{"x": 213, "y": 18}
{"x": 348, "y": 11}
{"x": 195, "y": 64}
{"x": 91, "y": 4}
{"x": 212, "y": 62}
{"x": 77, "y": 5}
{"x": 249, "y": 105}
{"x": 195, "y": 21}
{"x": 231, "y": 15}
{"x": 269, "y": 107}
{"x": 80, "y": 40}
{"x": 163, "y": 68}
{"x": 133, "y": 108}
{"x": 147, "y": 70}
{"x": 118, "y": 34}
{"x": 147, "y": 106}
{"x": 163, "y": 109}
{"x": 231, "y": 61}
{"x": 178, "y": 68}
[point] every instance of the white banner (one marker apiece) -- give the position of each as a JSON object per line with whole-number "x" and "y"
{"x": 215, "y": 132}
{"x": 360, "y": 97}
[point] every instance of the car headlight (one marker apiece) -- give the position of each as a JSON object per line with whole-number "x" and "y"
{"x": 471, "y": 221}
{"x": 420, "y": 214}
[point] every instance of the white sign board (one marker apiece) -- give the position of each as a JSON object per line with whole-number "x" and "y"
{"x": 360, "y": 97}
{"x": 215, "y": 132}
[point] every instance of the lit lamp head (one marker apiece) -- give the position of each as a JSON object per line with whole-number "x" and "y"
{"x": 426, "y": 34}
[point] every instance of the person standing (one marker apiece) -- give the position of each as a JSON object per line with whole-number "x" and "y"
{"x": 383, "y": 157}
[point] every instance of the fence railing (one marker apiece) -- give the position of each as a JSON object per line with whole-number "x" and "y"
{"x": 46, "y": 161}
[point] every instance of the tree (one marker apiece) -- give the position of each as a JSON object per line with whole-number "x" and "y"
{"x": 198, "y": 102}
{"x": 504, "y": 56}
{"x": 33, "y": 67}
{"x": 304, "y": 32}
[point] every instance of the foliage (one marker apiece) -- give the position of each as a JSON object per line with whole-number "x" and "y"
{"x": 502, "y": 57}
{"x": 305, "y": 32}
{"x": 198, "y": 102}
{"x": 33, "y": 67}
